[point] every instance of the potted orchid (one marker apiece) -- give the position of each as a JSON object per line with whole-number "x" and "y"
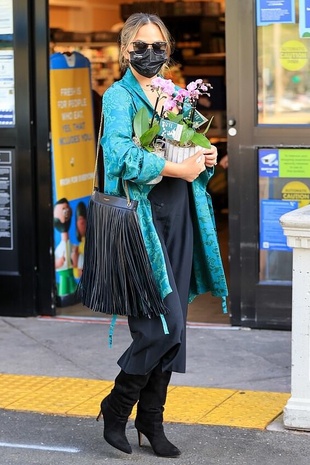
{"x": 179, "y": 119}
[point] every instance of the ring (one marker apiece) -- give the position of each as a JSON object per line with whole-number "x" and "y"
{"x": 198, "y": 159}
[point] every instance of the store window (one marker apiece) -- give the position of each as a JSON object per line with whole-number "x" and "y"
{"x": 283, "y": 46}
{"x": 283, "y": 98}
{"x": 7, "y": 98}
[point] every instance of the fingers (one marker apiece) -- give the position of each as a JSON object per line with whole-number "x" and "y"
{"x": 210, "y": 156}
{"x": 200, "y": 160}
{"x": 194, "y": 166}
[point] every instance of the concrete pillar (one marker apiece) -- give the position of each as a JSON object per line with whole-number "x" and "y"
{"x": 296, "y": 226}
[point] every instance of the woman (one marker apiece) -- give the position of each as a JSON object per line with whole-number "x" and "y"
{"x": 174, "y": 215}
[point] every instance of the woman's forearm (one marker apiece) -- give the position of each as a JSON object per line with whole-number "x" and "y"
{"x": 173, "y": 170}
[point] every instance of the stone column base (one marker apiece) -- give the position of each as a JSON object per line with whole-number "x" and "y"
{"x": 297, "y": 414}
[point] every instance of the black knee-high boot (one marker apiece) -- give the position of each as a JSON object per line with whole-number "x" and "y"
{"x": 117, "y": 407}
{"x": 149, "y": 419}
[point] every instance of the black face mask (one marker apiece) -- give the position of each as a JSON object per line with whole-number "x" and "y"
{"x": 147, "y": 64}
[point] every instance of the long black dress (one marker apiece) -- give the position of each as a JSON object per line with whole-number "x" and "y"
{"x": 170, "y": 200}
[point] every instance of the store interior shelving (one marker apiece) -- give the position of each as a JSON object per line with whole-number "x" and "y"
{"x": 99, "y": 47}
{"x": 198, "y": 29}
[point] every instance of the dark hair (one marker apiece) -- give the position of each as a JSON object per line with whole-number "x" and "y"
{"x": 132, "y": 26}
{"x": 60, "y": 201}
{"x": 81, "y": 210}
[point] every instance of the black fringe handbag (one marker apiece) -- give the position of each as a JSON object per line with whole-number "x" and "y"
{"x": 117, "y": 277}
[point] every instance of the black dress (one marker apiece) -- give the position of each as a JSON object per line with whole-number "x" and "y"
{"x": 170, "y": 201}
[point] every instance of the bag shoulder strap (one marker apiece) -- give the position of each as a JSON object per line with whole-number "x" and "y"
{"x": 96, "y": 173}
{"x": 96, "y": 183}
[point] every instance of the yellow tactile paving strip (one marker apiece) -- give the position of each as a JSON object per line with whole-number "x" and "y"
{"x": 191, "y": 405}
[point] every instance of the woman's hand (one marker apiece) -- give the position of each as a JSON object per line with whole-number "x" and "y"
{"x": 193, "y": 166}
{"x": 190, "y": 169}
{"x": 210, "y": 156}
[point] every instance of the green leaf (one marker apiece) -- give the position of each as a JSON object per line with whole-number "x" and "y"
{"x": 187, "y": 135}
{"x": 208, "y": 126}
{"x": 200, "y": 139}
{"x": 174, "y": 117}
{"x": 147, "y": 137}
{"x": 149, "y": 148}
{"x": 141, "y": 122}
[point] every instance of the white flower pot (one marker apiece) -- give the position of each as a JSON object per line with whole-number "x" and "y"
{"x": 178, "y": 154}
{"x": 160, "y": 153}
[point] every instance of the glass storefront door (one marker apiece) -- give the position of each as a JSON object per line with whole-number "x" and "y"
{"x": 269, "y": 157}
{"x": 283, "y": 98}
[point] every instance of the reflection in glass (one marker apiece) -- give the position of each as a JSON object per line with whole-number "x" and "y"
{"x": 283, "y": 94}
{"x": 276, "y": 265}
{"x": 7, "y": 86}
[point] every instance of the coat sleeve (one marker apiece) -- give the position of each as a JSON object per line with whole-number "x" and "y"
{"x": 122, "y": 157}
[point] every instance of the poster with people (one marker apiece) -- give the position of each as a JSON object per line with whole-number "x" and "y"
{"x": 73, "y": 158}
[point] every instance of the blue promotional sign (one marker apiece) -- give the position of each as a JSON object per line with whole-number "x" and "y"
{"x": 268, "y": 162}
{"x": 304, "y": 18}
{"x": 275, "y": 11}
{"x": 271, "y": 232}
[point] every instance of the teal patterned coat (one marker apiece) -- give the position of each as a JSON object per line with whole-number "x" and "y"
{"x": 124, "y": 160}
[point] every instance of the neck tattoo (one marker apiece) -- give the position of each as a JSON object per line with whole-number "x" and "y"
{"x": 147, "y": 88}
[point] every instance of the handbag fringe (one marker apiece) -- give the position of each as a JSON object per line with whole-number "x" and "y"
{"x": 117, "y": 277}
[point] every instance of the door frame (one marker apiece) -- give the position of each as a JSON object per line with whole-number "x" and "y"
{"x": 253, "y": 304}
{"x": 46, "y": 282}
{"x": 31, "y": 276}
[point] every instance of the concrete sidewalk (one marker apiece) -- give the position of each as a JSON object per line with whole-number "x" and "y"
{"x": 248, "y": 370}
{"x": 217, "y": 356}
